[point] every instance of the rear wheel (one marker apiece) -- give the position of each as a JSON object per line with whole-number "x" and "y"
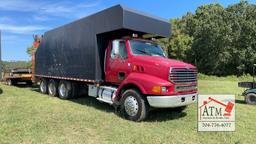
{"x": 53, "y": 88}
{"x": 66, "y": 89}
{"x": 134, "y": 106}
{"x": 250, "y": 98}
{"x": 44, "y": 86}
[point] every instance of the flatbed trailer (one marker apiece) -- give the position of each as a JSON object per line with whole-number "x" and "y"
{"x": 19, "y": 75}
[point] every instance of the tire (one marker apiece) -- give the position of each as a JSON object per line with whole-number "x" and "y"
{"x": 250, "y": 98}
{"x": 53, "y": 88}
{"x": 9, "y": 82}
{"x": 66, "y": 89}
{"x": 43, "y": 86}
{"x": 134, "y": 107}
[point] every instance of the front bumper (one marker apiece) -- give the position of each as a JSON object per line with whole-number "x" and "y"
{"x": 171, "y": 101}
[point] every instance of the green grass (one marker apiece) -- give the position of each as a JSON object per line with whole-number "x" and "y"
{"x": 27, "y": 116}
{"x": 245, "y": 77}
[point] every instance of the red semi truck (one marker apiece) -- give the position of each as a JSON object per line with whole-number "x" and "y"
{"x": 108, "y": 55}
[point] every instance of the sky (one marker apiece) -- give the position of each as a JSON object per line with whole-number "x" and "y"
{"x": 20, "y": 19}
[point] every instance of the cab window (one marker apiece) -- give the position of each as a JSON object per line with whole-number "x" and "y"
{"x": 118, "y": 49}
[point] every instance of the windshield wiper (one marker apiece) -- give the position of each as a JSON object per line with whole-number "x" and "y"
{"x": 159, "y": 54}
{"x": 144, "y": 52}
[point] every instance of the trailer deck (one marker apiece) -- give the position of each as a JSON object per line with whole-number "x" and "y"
{"x": 19, "y": 75}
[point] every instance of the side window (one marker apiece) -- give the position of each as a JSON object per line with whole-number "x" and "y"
{"x": 114, "y": 50}
{"x": 118, "y": 49}
{"x": 122, "y": 50}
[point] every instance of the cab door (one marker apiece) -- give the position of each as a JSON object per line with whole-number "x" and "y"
{"x": 117, "y": 62}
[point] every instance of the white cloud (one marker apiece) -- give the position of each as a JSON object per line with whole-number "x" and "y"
{"x": 6, "y": 19}
{"x": 21, "y": 29}
{"x": 10, "y": 38}
{"x": 67, "y": 9}
{"x": 41, "y": 11}
{"x": 41, "y": 18}
{"x": 17, "y": 5}
{"x": 62, "y": 8}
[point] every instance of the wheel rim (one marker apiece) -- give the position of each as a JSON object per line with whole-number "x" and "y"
{"x": 62, "y": 90}
{"x": 51, "y": 88}
{"x": 252, "y": 99}
{"x": 131, "y": 106}
{"x": 43, "y": 87}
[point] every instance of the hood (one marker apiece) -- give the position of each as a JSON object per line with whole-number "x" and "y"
{"x": 159, "y": 66}
{"x": 163, "y": 62}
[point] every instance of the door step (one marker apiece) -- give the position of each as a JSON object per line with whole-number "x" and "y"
{"x": 104, "y": 100}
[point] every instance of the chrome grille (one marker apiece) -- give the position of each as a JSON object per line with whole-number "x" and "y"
{"x": 182, "y": 75}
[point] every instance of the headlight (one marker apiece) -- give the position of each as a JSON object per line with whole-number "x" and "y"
{"x": 164, "y": 89}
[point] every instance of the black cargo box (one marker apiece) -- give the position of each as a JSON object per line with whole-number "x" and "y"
{"x": 76, "y": 50}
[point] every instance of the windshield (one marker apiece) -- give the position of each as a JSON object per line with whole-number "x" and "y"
{"x": 146, "y": 48}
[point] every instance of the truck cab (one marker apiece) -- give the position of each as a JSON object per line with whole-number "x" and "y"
{"x": 142, "y": 68}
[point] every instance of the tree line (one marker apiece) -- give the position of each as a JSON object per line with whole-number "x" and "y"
{"x": 9, "y": 65}
{"x": 217, "y": 40}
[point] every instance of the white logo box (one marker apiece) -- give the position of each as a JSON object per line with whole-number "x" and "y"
{"x": 216, "y": 112}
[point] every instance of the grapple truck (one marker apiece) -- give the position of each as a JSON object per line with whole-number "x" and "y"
{"x": 112, "y": 56}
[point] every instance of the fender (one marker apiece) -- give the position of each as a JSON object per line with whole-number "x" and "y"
{"x": 249, "y": 91}
{"x": 144, "y": 82}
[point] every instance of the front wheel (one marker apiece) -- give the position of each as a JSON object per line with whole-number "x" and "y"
{"x": 134, "y": 106}
{"x": 250, "y": 98}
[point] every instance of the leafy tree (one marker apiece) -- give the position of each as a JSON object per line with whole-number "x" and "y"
{"x": 218, "y": 40}
{"x": 8, "y": 65}
{"x": 179, "y": 43}
{"x": 29, "y": 50}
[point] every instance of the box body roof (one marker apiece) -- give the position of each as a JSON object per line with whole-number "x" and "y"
{"x": 76, "y": 50}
